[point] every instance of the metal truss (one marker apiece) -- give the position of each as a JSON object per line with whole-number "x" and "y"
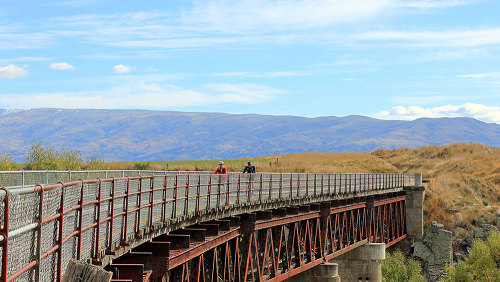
{"x": 270, "y": 245}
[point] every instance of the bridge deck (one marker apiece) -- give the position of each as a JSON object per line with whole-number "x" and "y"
{"x": 43, "y": 226}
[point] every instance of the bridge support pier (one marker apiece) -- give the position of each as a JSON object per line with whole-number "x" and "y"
{"x": 327, "y": 272}
{"x": 362, "y": 264}
{"x": 415, "y": 210}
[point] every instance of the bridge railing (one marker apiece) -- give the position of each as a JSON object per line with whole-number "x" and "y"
{"x": 43, "y": 226}
{"x": 24, "y": 178}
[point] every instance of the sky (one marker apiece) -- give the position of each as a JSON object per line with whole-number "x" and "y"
{"x": 387, "y": 59}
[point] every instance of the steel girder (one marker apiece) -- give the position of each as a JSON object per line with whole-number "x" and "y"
{"x": 273, "y": 245}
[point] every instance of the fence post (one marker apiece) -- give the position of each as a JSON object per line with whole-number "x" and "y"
{"x": 164, "y": 202}
{"x": 218, "y": 191}
{"x": 109, "y": 250}
{"x": 138, "y": 213}
{"x": 270, "y": 187}
{"x": 4, "y": 231}
{"x": 307, "y": 184}
{"x": 186, "y": 205}
{"x": 198, "y": 188}
{"x": 174, "y": 205}
{"x": 151, "y": 202}
{"x": 260, "y": 188}
{"x": 23, "y": 177}
{"x": 239, "y": 189}
{"x": 39, "y": 237}
{"x": 95, "y": 255}
{"x": 209, "y": 192}
{"x": 80, "y": 222}
{"x": 60, "y": 238}
{"x": 281, "y": 185}
{"x": 123, "y": 239}
{"x": 335, "y": 184}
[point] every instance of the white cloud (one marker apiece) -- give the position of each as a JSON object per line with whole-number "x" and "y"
{"x": 453, "y": 55}
{"x": 244, "y": 15}
{"x": 145, "y": 96}
{"x": 62, "y": 66}
{"x": 434, "y": 3}
{"x": 17, "y": 39}
{"x": 477, "y": 111}
{"x": 263, "y": 74}
{"x": 479, "y": 75}
{"x": 12, "y": 71}
{"x": 23, "y": 59}
{"x": 246, "y": 93}
{"x": 449, "y": 38}
{"x": 119, "y": 69}
{"x": 152, "y": 69}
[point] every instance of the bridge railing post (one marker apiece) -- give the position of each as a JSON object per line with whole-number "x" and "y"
{"x": 111, "y": 214}
{"x": 4, "y": 232}
{"x": 198, "y": 190}
{"x": 95, "y": 254}
{"x": 260, "y": 188}
{"x": 280, "y": 186}
{"x": 186, "y": 203}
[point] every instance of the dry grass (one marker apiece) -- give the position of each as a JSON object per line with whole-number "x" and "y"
{"x": 464, "y": 179}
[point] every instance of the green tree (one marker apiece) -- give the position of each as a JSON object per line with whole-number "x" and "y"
{"x": 6, "y": 162}
{"x": 69, "y": 160}
{"x": 396, "y": 268}
{"x": 483, "y": 263}
{"x": 42, "y": 157}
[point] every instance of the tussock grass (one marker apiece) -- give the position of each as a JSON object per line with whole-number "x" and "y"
{"x": 463, "y": 177}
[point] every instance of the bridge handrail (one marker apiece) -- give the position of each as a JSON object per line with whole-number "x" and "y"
{"x": 22, "y": 178}
{"x": 42, "y": 226}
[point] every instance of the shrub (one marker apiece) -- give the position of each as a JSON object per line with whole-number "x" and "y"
{"x": 485, "y": 202}
{"x": 481, "y": 265}
{"x": 69, "y": 160}
{"x": 397, "y": 268}
{"x": 95, "y": 163}
{"x": 142, "y": 166}
{"x": 42, "y": 157}
{"x": 6, "y": 162}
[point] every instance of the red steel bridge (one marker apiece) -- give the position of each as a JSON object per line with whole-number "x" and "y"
{"x": 198, "y": 227}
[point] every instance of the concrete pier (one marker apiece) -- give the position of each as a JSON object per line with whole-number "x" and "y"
{"x": 415, "y": 210}
{"x": 362, "y": 264}
{"x": 325, "y": 272}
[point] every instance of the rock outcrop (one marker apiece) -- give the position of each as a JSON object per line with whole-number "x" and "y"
{"x": 481, "y": 232}
{"x": 434, "y": 251}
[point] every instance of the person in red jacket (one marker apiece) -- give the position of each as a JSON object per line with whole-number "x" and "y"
{"x": 221, "y": 169}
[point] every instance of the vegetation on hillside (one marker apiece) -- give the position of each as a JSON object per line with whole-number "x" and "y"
{"x": 397, "y": 268}
{"x": 483, "y": 263}
{"x": 464, "y": 182}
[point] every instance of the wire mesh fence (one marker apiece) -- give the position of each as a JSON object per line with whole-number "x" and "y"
{"x": 42, "y": 226}
{"x": 24, "y": 178}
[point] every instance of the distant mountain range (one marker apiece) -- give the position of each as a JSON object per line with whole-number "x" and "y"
{"x": 140, "y": 135}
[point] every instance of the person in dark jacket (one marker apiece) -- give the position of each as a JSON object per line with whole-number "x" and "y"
{"x": 250, "y": 168}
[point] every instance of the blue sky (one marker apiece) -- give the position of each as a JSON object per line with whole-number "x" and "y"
{"x": 382, "y": 58}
